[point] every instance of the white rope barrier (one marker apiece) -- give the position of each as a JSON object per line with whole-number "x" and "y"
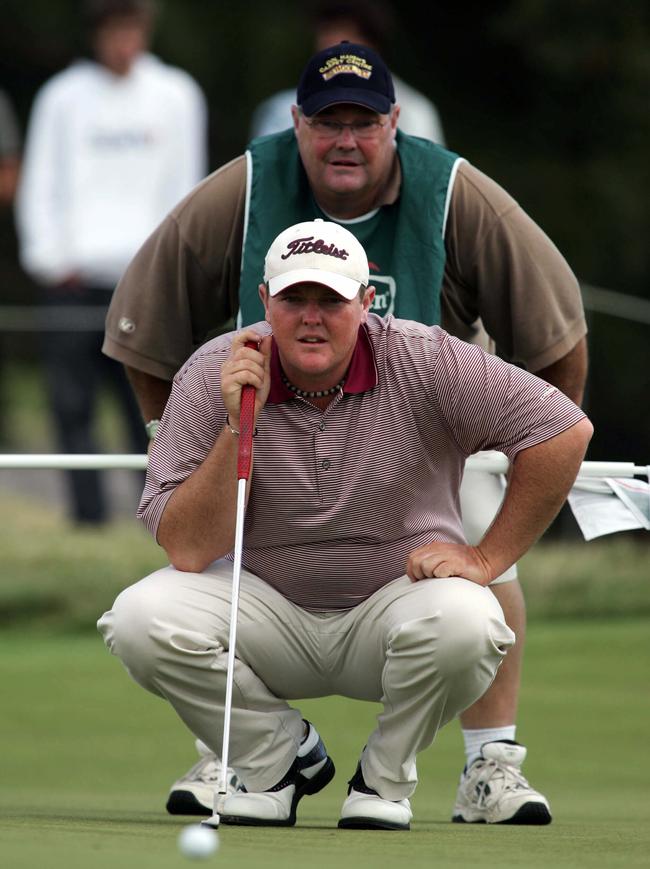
{"x": 497, "y": 463}
{"x": 73, "y": 461}
{"x": 494, "y": 463}
{"x": 604, "y": 301}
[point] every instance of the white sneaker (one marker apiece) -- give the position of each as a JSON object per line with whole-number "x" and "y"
{"x": 193, "y": 793}
{"x": 494, "y": 791}
{"x": 276, "y": 807}
{"x": 364, "y": 809}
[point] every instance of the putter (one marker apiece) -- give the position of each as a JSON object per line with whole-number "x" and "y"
{"x": 246, "y": 419}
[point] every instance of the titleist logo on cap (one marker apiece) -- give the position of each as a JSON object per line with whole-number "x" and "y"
{"x": 316, "y": 252}
{"x": 308, "y": 245}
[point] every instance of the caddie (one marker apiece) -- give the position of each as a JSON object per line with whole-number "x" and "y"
{"x": 356, "y": 576}
{"x": 445, "y": 245}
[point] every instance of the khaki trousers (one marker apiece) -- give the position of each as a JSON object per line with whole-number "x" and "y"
{"x": 426, "y": 651}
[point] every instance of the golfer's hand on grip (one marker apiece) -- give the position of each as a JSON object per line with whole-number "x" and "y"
{"x": 246, "y": 367}
{"x": 440, "y": 560}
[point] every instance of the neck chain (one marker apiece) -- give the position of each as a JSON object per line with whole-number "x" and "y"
{"x": 319, "y": 393}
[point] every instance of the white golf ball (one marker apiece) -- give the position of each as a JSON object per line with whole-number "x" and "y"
{"x": 198, "y": 842}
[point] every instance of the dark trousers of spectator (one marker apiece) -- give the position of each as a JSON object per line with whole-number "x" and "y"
{"x": 75, "y": 372}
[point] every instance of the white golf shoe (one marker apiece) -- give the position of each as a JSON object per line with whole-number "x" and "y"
{"x": 494, "y": 791}
{"x": 276, "y": 807}
{"x": 364, "y": 809}
{"x": 193, "y": 793}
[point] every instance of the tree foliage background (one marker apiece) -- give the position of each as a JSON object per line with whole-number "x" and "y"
{"x": 549, "y": 98}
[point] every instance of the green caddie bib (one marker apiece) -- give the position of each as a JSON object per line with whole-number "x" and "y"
{"x": 404, "y": 241}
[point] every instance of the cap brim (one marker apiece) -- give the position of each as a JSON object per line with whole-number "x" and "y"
{"x": 369, "y": 99}
{"x": 344, "y": 286}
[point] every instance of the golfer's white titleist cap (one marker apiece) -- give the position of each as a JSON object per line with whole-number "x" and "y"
{"x": 316, "y": 252}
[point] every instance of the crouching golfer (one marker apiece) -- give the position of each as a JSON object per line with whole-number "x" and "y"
{"x": 356, "y": 579}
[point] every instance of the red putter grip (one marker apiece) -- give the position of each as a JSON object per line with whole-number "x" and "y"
{"x": 246, "y": 420}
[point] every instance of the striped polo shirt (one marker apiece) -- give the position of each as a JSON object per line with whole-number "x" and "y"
{"x": 339, "y": 498}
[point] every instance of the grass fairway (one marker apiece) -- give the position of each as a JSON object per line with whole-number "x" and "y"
{"x": 87, "y": 758}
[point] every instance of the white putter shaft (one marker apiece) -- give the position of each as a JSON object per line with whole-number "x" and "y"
{"x": 222, "y": 790}
{"x": 244, "y": 462}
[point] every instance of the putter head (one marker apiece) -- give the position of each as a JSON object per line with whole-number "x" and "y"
{"x": 219, "y": 797}
{"x": 212, "y": 822}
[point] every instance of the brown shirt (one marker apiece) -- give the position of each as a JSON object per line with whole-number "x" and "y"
{"x": 501, "y": 271}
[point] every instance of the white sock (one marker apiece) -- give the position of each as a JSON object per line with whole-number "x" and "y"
{"x": 474, "y": 739}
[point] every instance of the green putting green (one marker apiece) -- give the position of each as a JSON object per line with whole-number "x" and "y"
{"x": 87, "y": 758}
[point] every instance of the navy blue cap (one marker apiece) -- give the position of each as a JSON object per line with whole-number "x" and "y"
{"x": 346, "y": 73}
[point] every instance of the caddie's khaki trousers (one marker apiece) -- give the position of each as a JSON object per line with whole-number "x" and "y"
{"x": 426, "y": 651}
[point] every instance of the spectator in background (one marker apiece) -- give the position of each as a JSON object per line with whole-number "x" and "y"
{"x": 369, "y": 22}
{"x": 10, "y": 148}
{"x": 10, "y": 145}
{"x": 113, "y": 142}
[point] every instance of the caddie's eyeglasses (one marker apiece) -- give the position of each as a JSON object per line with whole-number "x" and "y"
{"x": 333, "y": 129}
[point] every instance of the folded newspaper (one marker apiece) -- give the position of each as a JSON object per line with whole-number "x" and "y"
{"x": 609, "y": 504}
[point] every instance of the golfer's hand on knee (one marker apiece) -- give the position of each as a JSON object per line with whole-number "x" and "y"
{"x": 246, "y": 367}
{"x": 440, "y": 560}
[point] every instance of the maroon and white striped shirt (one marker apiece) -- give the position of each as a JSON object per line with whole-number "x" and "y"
{"x": 339, "y": 498}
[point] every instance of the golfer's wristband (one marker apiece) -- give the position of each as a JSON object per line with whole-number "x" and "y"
{"x": 234, "y": 430}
